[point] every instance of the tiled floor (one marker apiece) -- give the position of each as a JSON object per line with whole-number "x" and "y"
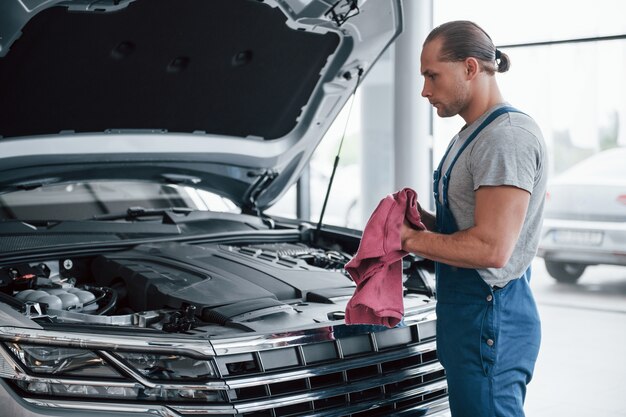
{"x": 581, "y": 370}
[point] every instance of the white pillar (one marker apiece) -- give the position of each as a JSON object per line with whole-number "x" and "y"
{"x": 377, "y": 154}
{"x": 412, "y": 113}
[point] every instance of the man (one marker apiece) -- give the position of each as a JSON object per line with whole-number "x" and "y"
{"x": 489, "y": 193}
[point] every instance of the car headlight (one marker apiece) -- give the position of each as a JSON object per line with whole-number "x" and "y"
{"x": 71, "y": 372}
{"x": 61, "y": 361}
{"x": 169, "y": 367}
{"x": 136, "y": 392}
{"x": 80, "y": 390}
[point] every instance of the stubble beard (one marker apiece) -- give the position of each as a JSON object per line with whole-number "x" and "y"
{"x": 457, "y": 104}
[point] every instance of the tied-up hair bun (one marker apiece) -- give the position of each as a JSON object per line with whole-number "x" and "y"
{"x": 502, "y": 61}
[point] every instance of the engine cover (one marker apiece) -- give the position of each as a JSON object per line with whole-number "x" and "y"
{"x": 209, "y": 276}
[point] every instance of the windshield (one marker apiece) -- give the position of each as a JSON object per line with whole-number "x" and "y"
{"x": 86, "y": 200}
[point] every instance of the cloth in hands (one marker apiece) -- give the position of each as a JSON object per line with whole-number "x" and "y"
{"x": 377, "y": 266}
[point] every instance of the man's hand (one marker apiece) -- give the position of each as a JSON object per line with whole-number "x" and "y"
{"x": 405, "y": 230}
{"x": 428, "y": 219}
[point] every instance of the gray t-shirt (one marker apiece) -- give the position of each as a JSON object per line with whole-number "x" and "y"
{"x": 509, "y": 151}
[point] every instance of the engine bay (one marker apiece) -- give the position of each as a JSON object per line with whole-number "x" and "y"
{"x": 177, "y": 287}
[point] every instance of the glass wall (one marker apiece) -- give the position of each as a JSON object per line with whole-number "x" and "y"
{"x": 575, "y": 91}
{"x": 511, "y": 22}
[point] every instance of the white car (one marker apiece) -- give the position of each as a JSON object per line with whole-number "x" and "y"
{"x": 141, "y": 142}
{"x": 585, "y": 216}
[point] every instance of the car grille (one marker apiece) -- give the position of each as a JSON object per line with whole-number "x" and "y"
{"x": 359, "y": 373}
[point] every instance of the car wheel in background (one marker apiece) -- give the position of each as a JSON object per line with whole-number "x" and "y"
{"x": 565, "y": 272}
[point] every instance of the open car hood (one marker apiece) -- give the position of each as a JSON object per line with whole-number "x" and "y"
{"x": 230, "y": 95}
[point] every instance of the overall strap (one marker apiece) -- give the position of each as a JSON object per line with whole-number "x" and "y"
{"x": 489, "y": 119}
{"x": 437, "y": 173}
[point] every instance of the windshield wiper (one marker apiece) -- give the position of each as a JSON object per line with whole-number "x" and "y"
{"x": 133, "y": 213}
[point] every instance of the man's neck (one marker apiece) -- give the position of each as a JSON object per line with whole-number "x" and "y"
{"x": 486, "y": 95}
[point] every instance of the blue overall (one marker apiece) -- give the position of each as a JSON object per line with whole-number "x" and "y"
{"x": 488, "y": 339}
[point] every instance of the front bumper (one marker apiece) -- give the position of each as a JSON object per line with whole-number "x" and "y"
{"x": 17, "y": 406}
{"x": 327, "y": 371}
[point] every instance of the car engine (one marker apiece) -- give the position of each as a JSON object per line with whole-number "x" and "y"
{"x": 179, "y": 287}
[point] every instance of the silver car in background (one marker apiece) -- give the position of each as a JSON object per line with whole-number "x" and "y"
{"x": 585, "y": 216}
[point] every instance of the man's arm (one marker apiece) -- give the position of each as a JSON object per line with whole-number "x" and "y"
{"x": 498, "y": 218}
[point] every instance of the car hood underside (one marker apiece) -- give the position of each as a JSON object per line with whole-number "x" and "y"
{"x": 233, "y": 95}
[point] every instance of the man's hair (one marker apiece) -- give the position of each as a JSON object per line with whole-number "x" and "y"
{"x": 463, "y": 39}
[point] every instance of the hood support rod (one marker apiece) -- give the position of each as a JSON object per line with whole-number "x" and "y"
{"x": 336, "y": 163}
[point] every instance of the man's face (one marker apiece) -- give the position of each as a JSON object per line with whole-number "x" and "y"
{"x": 445, "y": 85}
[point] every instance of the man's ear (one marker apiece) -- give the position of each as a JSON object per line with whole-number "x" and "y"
{"x": 472, "y": 67}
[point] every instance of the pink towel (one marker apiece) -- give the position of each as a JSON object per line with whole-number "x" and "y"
{"x": 377, "y": 266}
